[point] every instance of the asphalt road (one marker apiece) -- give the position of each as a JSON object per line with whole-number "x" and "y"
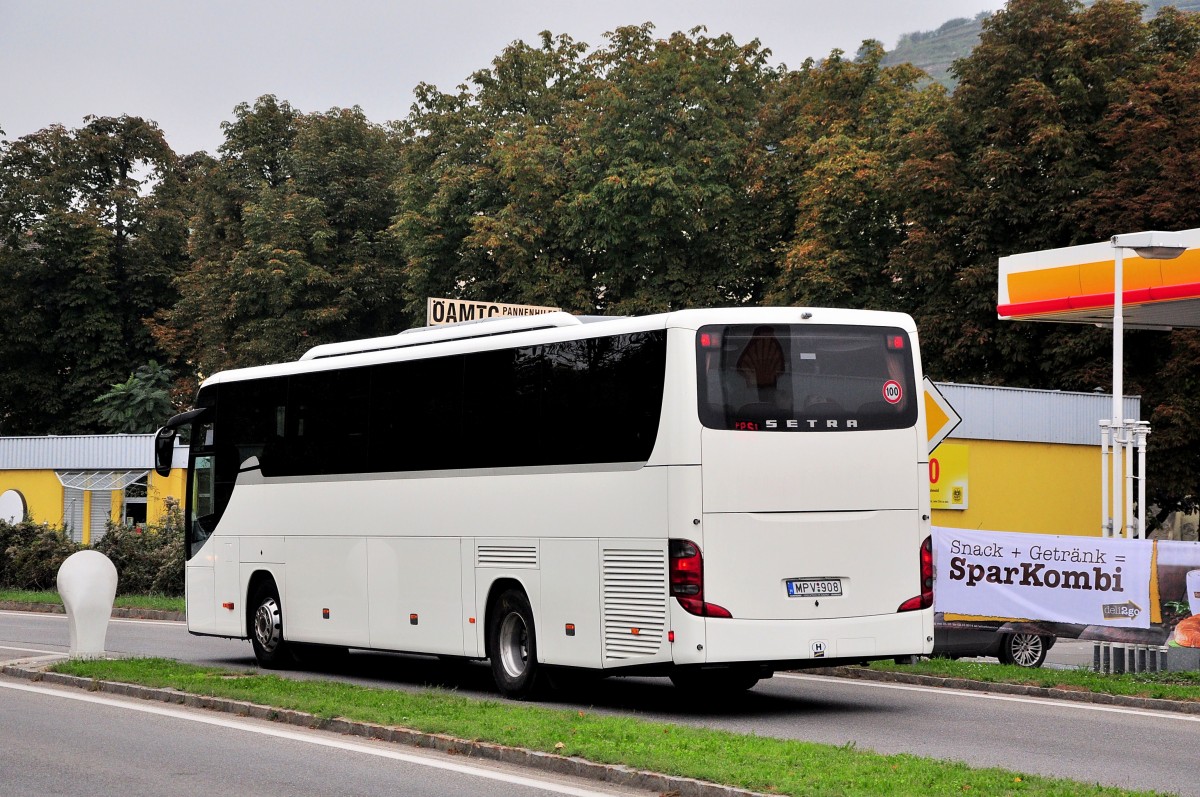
{"x": 1114, "y": 746}
{"x": 73, "y": 742}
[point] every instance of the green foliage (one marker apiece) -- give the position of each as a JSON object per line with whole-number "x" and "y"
{"x": 1163, "y": 685}
{"x": 288, "y": 244}
{"x": 31, "y": 554}
{"x": 748, "y": 761}
{"x": 139, "y": 404}
{"x": 619, "y": 182}
{"x": 149, "y": 560}
{"x": 91, "y": 234}
{"x": 650, "y": 173}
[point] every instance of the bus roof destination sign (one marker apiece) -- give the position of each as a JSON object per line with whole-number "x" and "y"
{"x": 452, "y": 311}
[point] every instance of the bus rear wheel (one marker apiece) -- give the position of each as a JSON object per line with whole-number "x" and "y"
{"x": 513, "y": 645}
{"x": 266, "y": 631}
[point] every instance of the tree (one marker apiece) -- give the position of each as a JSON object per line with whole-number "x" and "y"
{"x": 661, "y": 208}
{"x": 482, "y": 180}
{"x": 616, "y": 182}
{"x": 140, "y": 404}
{"x": 289, "y": 240}
{"x": 91, "y": 234}
{"x": 1065, "y": 127}
{"x": 842, "y": 143}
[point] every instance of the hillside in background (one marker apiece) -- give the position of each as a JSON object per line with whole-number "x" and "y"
{"x": 934, "y": 51}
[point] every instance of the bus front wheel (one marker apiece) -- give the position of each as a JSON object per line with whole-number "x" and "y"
{"x": 266, "y": 632}
{"x": 513, "y": 645}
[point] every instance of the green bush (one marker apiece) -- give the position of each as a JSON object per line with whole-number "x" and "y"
{"x": 32, "y": 553}
{"x": 149, "y": 560}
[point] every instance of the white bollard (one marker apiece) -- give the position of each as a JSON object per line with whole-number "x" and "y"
{"x": 87, "y": 582}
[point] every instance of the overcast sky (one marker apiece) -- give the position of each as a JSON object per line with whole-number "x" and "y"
{"x": 186, "y": 63}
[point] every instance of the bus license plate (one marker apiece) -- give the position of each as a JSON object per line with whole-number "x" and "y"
{"x": 813, "y": 587}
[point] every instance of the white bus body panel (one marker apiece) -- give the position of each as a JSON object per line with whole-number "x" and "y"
{"x": 200, "y": 593}
{"x": 415, "y": 594}
{"x": 810, "y": 471}
{"x": 787, "y": 640}
{"x": 571, "y": 579}
{"x": 374, "y": 549}
{"x": 326, "y": 597}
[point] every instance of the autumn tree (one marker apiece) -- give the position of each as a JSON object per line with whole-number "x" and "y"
{"x": 482, "y": 180}
{"x": 92, "y": 232}
{"x": 842, "y": 128}
{"x": 289, "y": 246}
{"x": 1063, "y": 120}
{"x": 661, "y": 206}
{"x": 615, "y": 182}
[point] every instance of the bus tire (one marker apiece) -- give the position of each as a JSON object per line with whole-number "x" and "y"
{"x": 513, "y": 645}
{"x": 266, "y": 630}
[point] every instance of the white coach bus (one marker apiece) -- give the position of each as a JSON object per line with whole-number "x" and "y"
{"x": 706, "y": 494}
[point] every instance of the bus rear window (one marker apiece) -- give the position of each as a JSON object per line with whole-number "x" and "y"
{"x": 793, "y": 378}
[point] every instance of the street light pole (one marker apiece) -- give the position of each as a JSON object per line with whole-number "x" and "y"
{"x": 1117, "y": 426}
{"x": 1151, "y": 245}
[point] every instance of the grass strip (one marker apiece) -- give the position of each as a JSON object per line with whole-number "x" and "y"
{"x": 1161, "y": 685}
{"x": 770, "y": 765}
{"x": 164, "y": 603}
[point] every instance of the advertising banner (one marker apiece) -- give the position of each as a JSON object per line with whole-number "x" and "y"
{"x": 948, "y": 481}
{"x": 453, "y": 311}
{"x": 995, "y": 575}
{"x": 1081, "y": 580}
{"x": 1177, "y": 585}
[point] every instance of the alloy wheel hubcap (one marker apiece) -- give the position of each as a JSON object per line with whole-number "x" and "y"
{"x": 514, "y": 640}
{"x": 267, "y": 625}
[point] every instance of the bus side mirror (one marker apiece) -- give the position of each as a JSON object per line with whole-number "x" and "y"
{"x": 164, "y": 450}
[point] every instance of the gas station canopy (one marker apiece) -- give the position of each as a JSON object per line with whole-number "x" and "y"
{"x": 1075, "y": 284}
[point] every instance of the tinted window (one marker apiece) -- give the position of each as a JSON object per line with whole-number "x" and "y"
{"x": 805, "y": 378}
{"x": 416, "y": 410}
{"x": 586, "y": 401}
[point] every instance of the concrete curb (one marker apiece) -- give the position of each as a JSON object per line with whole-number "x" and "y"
{"x": 548, "y": 762}
{"x": 118, "y": 611}
{"x": 1074, "y": 695}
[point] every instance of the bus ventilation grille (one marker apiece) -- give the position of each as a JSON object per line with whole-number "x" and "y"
{"x": 523, "y": 556}
{"x": 635, "y": 602}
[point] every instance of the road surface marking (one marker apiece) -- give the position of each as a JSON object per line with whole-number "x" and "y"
{"x": 310, "y": 738}
{"x": 1044, "y": 701}
{"x": 31, "y": 650}
{"x": 63, "y": 617}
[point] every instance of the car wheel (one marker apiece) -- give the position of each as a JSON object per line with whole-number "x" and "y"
{"x": 513, "y": 645}
{"x": 1023, "y": 650}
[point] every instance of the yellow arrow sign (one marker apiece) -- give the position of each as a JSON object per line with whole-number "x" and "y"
{"x": 940, "y": 417}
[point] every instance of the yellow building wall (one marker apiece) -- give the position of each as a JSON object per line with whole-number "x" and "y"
{"x": 42, "y": 490}
{"x": 43, "y": 494}
{"x": 1043, "y": 488}
{"x": 159, "y": 489}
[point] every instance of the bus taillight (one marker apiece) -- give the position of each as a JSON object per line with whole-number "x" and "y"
{"x": 925, "y": 599}
{"x": 687, "y": 580}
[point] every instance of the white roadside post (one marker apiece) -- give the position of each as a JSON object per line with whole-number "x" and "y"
{"x": 1152, "y": 245}
{"x": 87, "y": 582}
{"x": 1106, "y": 525}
